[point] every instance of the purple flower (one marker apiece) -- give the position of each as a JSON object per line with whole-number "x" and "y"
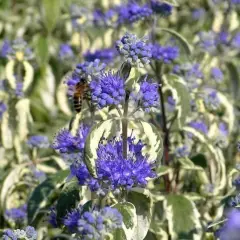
{"x": 93, "y": 224}
{"x": 137, "y": 12}
{"x": 236, "y": 41}
{"x": 198, "y": 13}
{"x": 65, "y": 142}
{"x": 65, "y": 52}
{"x": 31, "y": 233}
{"x": 223, "y": 38}
{"x": 165, "y": 54}
{"x": 6, "y": 48}
{"x": 231, "y": 228}
{"x": 9, "y": 234}
{"x": 217, "y": 74}
{"x": 208, "y": 41}
{"x": 3, "y": 109}
{"x": 71, "y": 219}
{"x": 52, "y": 217}
{"x": 107, "y": 89}
{"x": 161, "y": 7}
{"x": 105, "y": 55}
{"x": 114, "y": 172}
{"x": 223, "y": 128}
{"x": 38, "y": 141}
{"x": 234, "y": 201}
{"x": 17, "y": 214}
{"x": 212, "y": 101}
{"x": 108, "y": 19}
{"x": 19, "y": 90}
{"x": 235, "y": 2}
{"x": 182, "y": 151}
{"x": 199, "y": 125}
{"x": 148, "y": 95}
{"x": 135, "y": 51}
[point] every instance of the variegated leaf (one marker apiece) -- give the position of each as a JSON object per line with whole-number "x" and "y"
{"x": 183, "y": 218}
{"x": 128, "y": 212}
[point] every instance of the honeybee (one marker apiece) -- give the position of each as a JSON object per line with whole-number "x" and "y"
{"x": 81, "y": 92}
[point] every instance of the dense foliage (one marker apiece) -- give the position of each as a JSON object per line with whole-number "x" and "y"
{"x": 119, "y": 119}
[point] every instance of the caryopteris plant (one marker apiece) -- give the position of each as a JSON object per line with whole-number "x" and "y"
{"x": 119, "y": 120}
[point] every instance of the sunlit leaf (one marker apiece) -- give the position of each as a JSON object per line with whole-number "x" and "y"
{"x": 183, "y": 218}
{"x": 128, "y": 212}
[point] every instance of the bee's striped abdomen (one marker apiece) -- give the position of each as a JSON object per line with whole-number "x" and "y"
{"x": 77, "y": 103}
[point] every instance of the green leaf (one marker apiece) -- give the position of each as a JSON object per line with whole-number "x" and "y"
{"x": 218, "y": 167}
{"x": 128, "y": 212}
{"x": 51, "y": 13}
{"x": 6, "y": 132}
{"x": 41, "y": 48}
{"x": 180, "y": 91}
{"x": 162, "y": 170}
{"x": 234, "y": 77}
{"x": 143, "y": 205}
{"x": 125, "y": 70}
{"x": 183, "y": 218}
{"x": 189, "y": 165}
{"x": 41, "y": 194}
{"x": 199, "y": 160}
{"x": 92, "y": 142}
{"x": 182, "y": 41}
{"x": 151, "y": 137}
{"x": 24, "y": 117}
{"x": 68, "y": 199}
{"x": 10, "y": 181}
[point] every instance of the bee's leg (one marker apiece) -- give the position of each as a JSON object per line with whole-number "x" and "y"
{"x": 71, "y": 123}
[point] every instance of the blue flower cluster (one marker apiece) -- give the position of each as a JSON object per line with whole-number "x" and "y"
{"x": 3, "y": 109}
{"x": 148, "y": 96}
{"x": 17, "y": 214}
{"x": 162, "y": 8}
{"x": 84, "y": 70}
{"x": 165, "y": 54}
{"x": 199, "y": 125}
{"x": 93, "y": 224}
{"x": 107, "y": 89}
{"x": 19, "y": 50}
{"x": 6, "y": 48}
{"x": 136, "y": 12}
{"x": 65, "y": 52}
{"x": 212, "y": 101}
{"x": 52, "y": 217}
{"x": 65, "y": 142}
{"x": 105, "y": 55}
{"x": 217, "y": 74}
{"x": 114, "y": 172}
{"x": 182, "y": 151}
{"x": 198, "y": 13}
{"x": 135, "y": 51}
{"x": 231, "y": 228}
{"x": 38, "y": 141}
{"x": 29, "y": 234}
{"x": 212, "y": 41}
{"x": 108, "y": 18}
{"x": 191, "y": 73}
{"x": 19, "y": 90}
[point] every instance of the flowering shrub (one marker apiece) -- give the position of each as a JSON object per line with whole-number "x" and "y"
{"x": 119, "y": 119}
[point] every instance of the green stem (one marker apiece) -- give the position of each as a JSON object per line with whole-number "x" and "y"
{"x": 125, "y": 125}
